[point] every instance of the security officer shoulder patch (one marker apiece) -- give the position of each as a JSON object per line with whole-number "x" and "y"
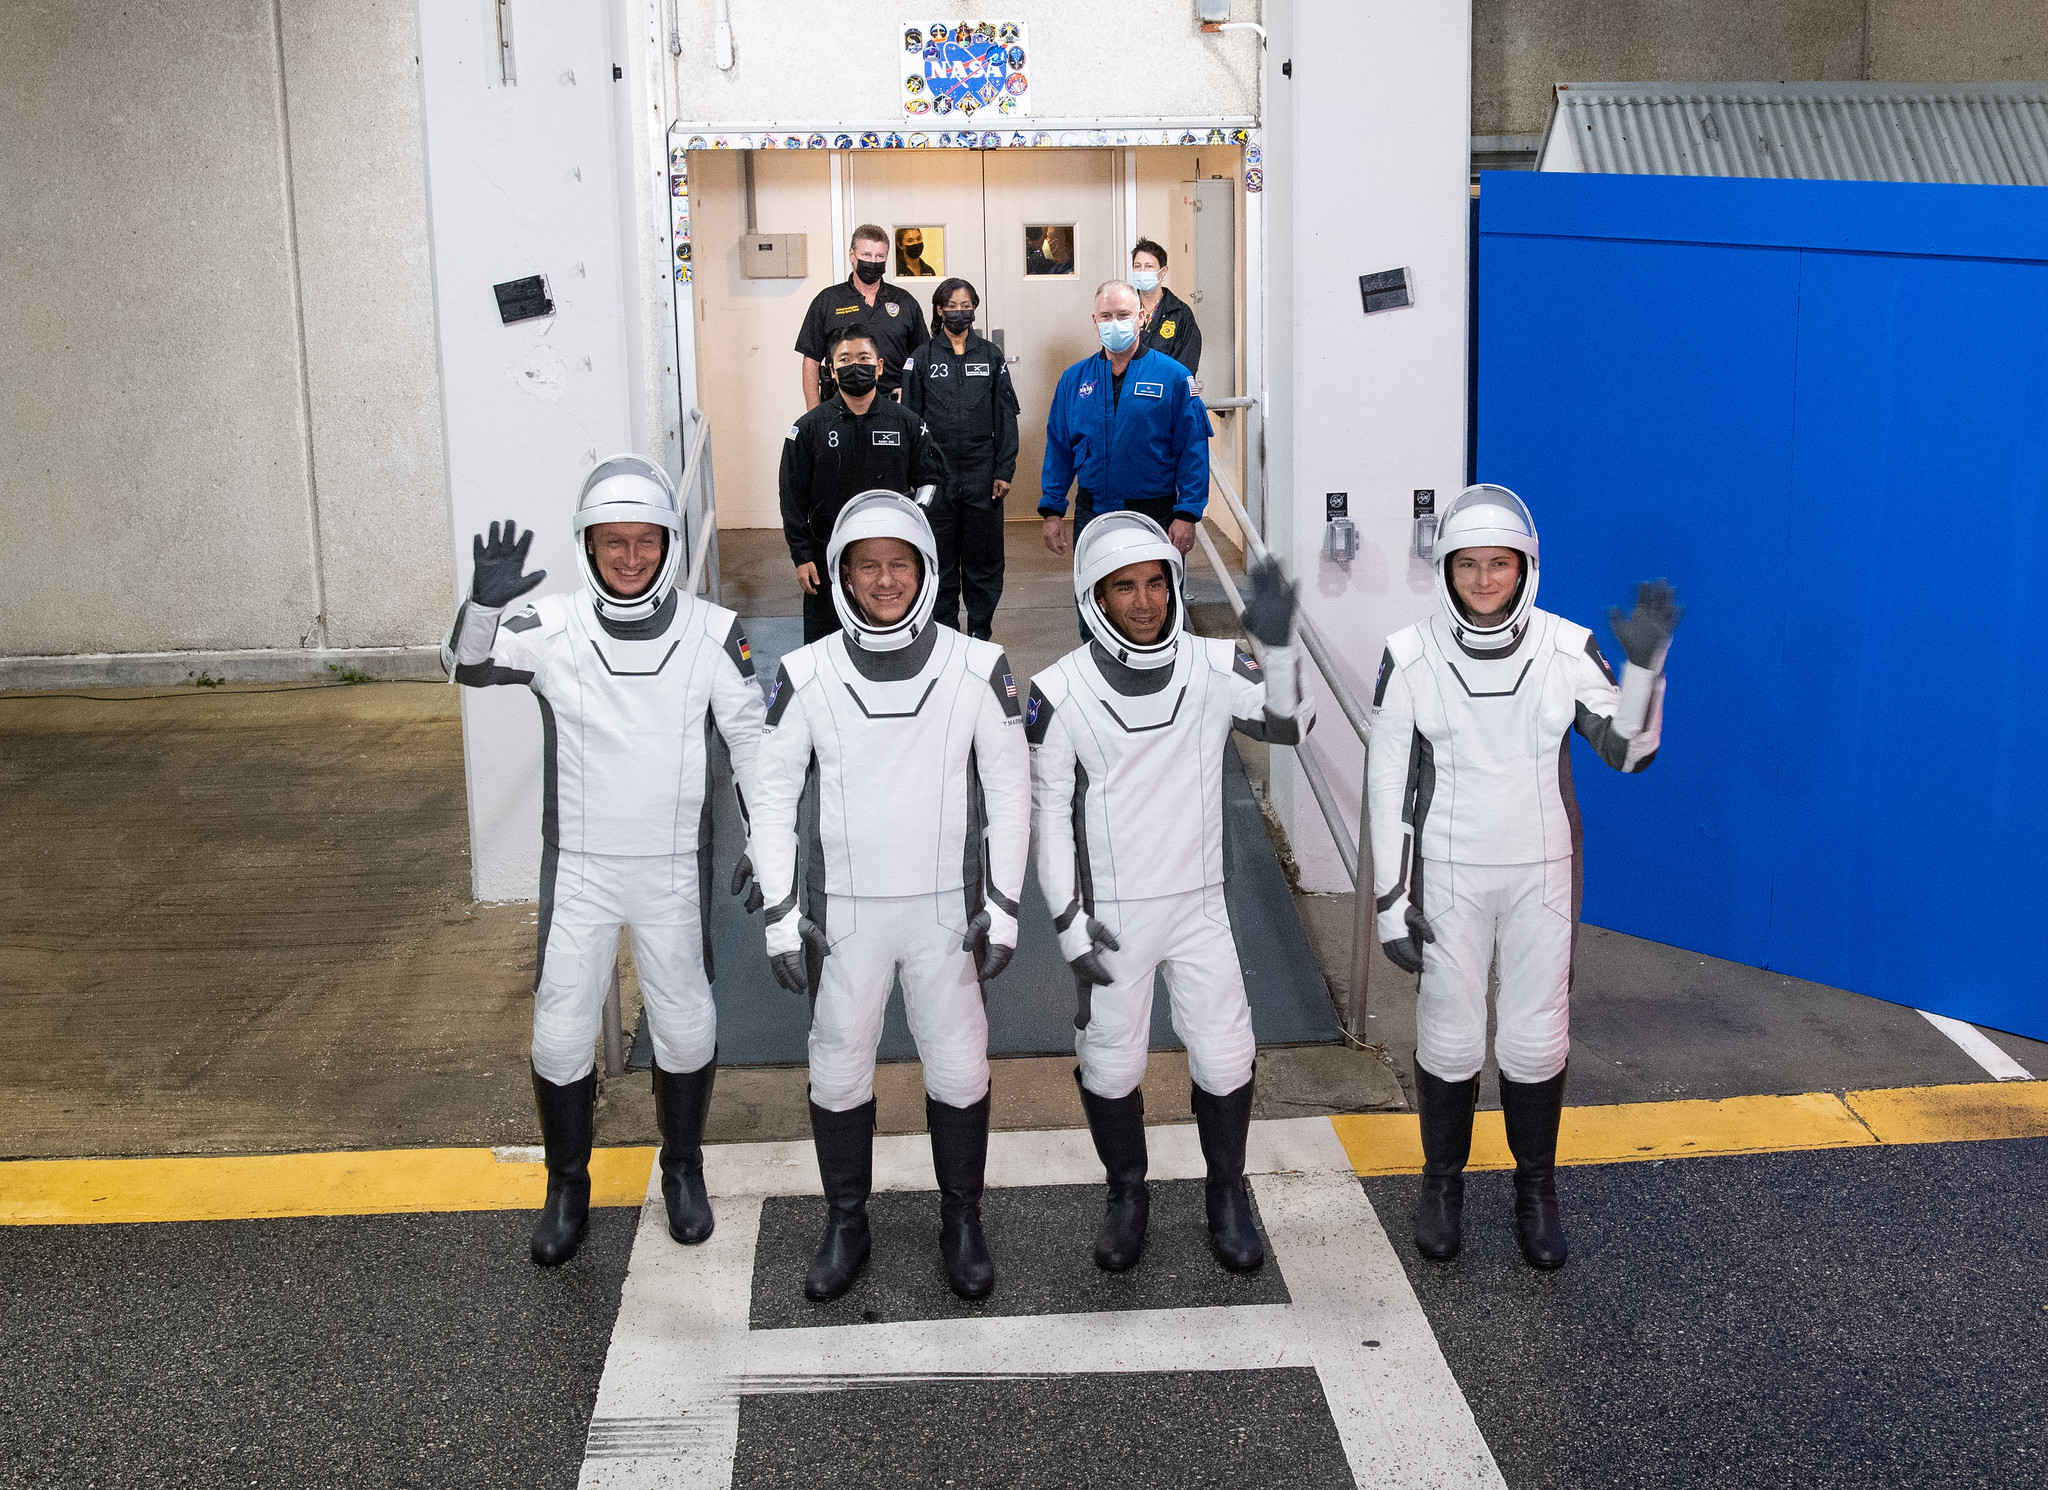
{"x": 887, "y": 437}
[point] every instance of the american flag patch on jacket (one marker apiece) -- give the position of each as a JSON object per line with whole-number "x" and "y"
{"x": 1009, "y": 687}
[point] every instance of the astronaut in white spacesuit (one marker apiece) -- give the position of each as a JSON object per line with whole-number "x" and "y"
{"x": 902, "y": 739}
{"x": 634, "y": 678}
{"x": 1127, "y": 739}
{"x": 1475, "y": 840}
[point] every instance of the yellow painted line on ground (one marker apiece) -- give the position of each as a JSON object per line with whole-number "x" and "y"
{"x": 70, "y": 1192}
{"x": 1944, "y": 1114}
{"x": 61, "y": 1192}
{"x": 1391, "y": 1143}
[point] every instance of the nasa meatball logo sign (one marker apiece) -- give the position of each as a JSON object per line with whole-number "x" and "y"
{"x": 954, "y": 69}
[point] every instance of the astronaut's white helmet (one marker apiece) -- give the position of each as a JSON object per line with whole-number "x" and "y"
{"x": 883, "y": 514}
{"x": 629, "y": 489}
{"x": 1111, "y": 541}
{"x": 1487, "y": 516}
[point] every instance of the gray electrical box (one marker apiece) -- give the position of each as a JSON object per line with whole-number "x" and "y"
{"x": 774, "y": 256}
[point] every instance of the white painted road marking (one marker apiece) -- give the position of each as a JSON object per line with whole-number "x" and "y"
{"x": 682, "y": 1355}
{"x": 1979, "y": 1048}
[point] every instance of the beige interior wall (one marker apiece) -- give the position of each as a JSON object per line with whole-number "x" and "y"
{"x": 223, "y": 431}
{"x": 747, "y": 368}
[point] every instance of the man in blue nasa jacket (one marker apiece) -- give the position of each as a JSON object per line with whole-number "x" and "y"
{"x": 1128, "y": 427}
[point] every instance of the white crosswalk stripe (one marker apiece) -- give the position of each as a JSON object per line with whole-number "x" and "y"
{"x": 682, "y": 1355}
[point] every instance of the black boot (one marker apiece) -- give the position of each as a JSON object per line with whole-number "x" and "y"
{"x": 846, "y": 1155}
{"x": 681, "y": 1099}
{"x": 1118, "y": 1127}
{"x": 1532, "y": 1110}
{"x": 959, "y": 1156}
{"x": 1223, "y": 1123}
{"x": 568, "y": 1118}
{"x": 1446, "y": 1109}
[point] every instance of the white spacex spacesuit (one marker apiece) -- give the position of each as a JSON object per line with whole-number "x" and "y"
{"x": 1127, "y": 749}
{"x": 1475, "y": 835}
{"x": 631, "y": 693}
{"x": 903, "y": 739}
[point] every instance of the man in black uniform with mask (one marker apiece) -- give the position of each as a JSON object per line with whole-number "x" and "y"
{"x": 855, "y": 441}
{"x": 890, "y": 317}
{"x": 959, "y": 383}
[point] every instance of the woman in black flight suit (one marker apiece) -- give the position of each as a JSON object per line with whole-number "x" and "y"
{"x": 959, "y": 383}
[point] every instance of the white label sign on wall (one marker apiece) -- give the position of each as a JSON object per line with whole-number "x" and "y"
{"x": 957, "y": 70}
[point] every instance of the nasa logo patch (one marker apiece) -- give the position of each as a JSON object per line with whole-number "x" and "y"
{"x": 774, "y": 690}
{"x": 1084, "y": 390}
{"x": 1031, "y": 712}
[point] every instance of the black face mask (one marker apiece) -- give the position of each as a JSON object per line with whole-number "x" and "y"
{"x": 869, "y": 271}
{"x": 957, "y": 320}
{"x": 855, "y": 379}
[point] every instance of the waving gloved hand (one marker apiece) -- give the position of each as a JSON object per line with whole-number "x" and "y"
{"x": 1406, "y": 954}
{"x": 743, "y": 881}
{"x": 497, "y": 581}
{"x": 1269, "y": 614}
{"x": 1645, "y": 632}
{"x": 992, "y": 938}
{"x": 787, "y": 940}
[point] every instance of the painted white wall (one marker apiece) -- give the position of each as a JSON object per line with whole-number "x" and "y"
{"x": 798, "y": 61}
{"x": 528, "y": 179}
{"x": 219, "y": 289}
{"x": 1366, "y": 169}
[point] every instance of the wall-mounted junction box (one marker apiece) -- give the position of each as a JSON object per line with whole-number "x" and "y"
{"x": 774, "y": 256}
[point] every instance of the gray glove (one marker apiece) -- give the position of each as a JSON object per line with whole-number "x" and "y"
{"x": 1089, "y": 973}
{"x": 497, "y": 581}
{"x": 990, "y": 958}
{"x": 788, "y": 967}
{"x": 743, "y": 879}
{"x": 1088, "y": 967}
{"x": 1406, "y": 954}
{"x": 1645, "y": 632}
{"x": 1269, "y": 614}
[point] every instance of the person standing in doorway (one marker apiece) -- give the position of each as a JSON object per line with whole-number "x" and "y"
{"x": 1128, "y": 430}
{"x": 855, "y": 441}
{"x": 1169, "y": 324}
{"x": 910, "y": 262}
{"x": 959, "y": 384}
{"x": 892, "y": 319}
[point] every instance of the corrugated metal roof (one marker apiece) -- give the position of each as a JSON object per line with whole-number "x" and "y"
{"x": 1982, "y": 134}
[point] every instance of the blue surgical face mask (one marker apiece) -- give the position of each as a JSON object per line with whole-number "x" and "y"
{"x": 1146, "y": 280}
{"x": 1118, "y": 336}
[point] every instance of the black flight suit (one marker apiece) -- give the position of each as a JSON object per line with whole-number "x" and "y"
{"x": 1172, "y": 330}
{"x": 967, "y": 400}
{"x": 831, "y": 456}
{"x": 895, "y": 321}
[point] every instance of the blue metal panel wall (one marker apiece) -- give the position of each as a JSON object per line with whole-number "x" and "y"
{"x": 1822, "y": 409}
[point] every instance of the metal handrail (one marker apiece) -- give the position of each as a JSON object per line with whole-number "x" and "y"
{"x": 1355, "y": 853}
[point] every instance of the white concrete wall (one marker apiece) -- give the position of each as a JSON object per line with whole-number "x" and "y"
{"x": 1366, "y": 169}
{"x": 223, "y": 431}
{"x": 801, "y": 61}
{"x": 533, "y": 178}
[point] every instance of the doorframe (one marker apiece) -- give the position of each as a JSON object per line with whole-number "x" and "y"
{"x": 1127, "y": 136}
